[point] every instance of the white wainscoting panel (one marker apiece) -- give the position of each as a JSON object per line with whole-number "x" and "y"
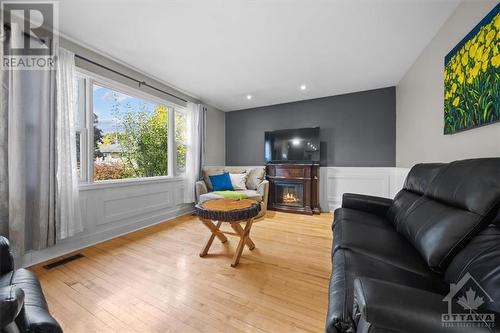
{"x": 335, "y": 181}
{"x": 113, "y": 209}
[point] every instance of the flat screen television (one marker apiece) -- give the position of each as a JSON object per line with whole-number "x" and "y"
{"x": 299, "y": 145}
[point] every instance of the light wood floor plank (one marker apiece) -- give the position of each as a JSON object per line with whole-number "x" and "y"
{"x": 153, "y": 280}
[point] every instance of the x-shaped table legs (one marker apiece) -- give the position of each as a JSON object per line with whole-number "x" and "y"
{"x": 244, "y": 234}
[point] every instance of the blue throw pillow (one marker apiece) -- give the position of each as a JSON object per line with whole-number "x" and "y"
{"x": 221, "y": 182}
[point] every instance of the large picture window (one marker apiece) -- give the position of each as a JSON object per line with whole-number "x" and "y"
{"x": 127, "y": 133}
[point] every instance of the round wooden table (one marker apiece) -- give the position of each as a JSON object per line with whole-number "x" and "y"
{"x": 213, "y": 212}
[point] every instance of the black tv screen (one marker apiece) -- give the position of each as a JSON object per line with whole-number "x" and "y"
{"x": 292, "y": 145}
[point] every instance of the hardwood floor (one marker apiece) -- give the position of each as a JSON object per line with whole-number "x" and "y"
{"x": 153, "y": 280}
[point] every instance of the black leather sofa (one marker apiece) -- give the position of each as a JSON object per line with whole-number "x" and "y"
{"x": 394, "y": 260}
{"x": 22, "y": 304}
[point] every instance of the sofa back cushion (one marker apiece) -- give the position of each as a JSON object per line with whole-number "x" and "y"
{"x": 415, "y": 185}
{"x": 496, "y": 220}
{"x": 239, "y": 180}
{"x": 211, "y": 171}
{"x": 421, "y": 175}
{"x": 481, "y": 259}
{"x": 221, "y": 182}
{"x": 255, "y": 174}
{"x": 472, "y": 185}
{"x": 461, "y": 199}
{"x": 437, "y": 230}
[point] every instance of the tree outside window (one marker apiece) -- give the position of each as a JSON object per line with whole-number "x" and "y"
{"x": 180, "y": 142}
{"x": 130, "y": 136}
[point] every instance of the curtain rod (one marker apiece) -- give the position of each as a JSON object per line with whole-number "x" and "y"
{"x": 141, "y": 83}
{"x": 7, "y": 27}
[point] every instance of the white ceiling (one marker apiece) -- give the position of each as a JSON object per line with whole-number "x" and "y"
{"x": 222, "y": 50}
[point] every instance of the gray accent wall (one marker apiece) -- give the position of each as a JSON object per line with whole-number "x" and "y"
{"x": 356, "y": 130}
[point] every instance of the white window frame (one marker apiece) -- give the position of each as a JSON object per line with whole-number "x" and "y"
{"x": 82, "y": 128}
{"x": 87, "y": 143}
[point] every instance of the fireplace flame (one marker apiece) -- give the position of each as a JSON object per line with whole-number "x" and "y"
{"x": 290, "y": 198}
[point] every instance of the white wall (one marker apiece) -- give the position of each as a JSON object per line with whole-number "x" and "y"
{"x": 216, "y": 137}
{"x": 419, "y": 100}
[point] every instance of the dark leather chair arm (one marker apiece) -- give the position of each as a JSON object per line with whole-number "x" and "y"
{"x": 6, "y": 260}
{"x": 380, "y": 305}
{"x": 11, "y": 303}
{"x": 366, "y": 203}
{"x": 36, "y": 319}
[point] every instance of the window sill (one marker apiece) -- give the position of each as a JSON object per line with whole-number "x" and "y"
{"x": 104, "y": 184}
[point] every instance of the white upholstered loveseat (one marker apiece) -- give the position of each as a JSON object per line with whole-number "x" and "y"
{"x": 256, "y": 183}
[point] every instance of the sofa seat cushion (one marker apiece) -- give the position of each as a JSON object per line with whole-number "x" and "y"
{"x": 349, "y": 265}
{"x": 379, "y": 243}
{"x": 251, "y": 194}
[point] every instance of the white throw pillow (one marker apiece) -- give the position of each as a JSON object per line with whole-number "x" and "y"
{"x": 239, "y": 180}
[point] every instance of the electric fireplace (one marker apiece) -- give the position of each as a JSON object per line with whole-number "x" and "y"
{"x": 293, "y": 188}
{"x": 290, "y": 194}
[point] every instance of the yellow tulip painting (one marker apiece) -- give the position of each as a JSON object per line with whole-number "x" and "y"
{"x": 472, "y": 77}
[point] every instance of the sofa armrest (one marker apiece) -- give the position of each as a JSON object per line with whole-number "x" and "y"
{"x": 263, "y": 190}
{"x": 366, "y": 203}
{"x": 381, "y": 305}
{"x": 11, "y": 303}
{"x": 37, "y": 320}
{"x": 6, "y": 260}
{"x": 200, "y": 188}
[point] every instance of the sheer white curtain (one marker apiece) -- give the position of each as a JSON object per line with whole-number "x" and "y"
{"x": 68, "y": 214}
{"x": 196, "y": 148}
{"x": 27, "y": 155}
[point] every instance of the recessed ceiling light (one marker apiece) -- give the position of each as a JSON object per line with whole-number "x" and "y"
{"x": 303, "y": 87}
{"x": 249, "y": 97}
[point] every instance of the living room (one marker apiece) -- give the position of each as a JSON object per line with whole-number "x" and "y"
{"x": 250, "y": 166}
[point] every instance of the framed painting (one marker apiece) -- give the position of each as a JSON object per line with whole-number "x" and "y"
{"x": 472, "y": 77}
